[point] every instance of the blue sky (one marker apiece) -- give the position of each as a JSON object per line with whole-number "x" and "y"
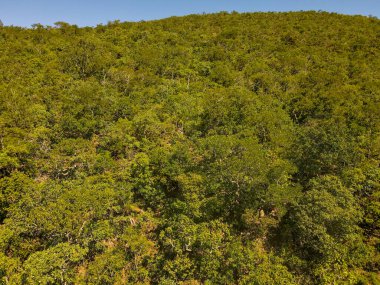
{"x": 92, "y": 12}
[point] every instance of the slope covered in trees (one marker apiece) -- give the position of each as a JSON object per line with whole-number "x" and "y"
{"x": 207, "y": 149}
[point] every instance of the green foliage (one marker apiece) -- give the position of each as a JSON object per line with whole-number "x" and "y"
{"x": 54, "y": 265}
{"x": 323, "y": 229}
{"x": 208, "y": 149}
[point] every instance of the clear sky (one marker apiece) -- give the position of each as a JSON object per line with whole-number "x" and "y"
{"x": 92, "y": 12}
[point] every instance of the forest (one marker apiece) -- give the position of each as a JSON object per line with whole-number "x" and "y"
{"x": 227, "y": 148}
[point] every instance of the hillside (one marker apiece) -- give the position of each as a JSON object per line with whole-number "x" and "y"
{"x": 206, "y": 149}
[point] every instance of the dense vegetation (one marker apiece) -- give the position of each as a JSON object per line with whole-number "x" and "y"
{"x": 207, "y": 149}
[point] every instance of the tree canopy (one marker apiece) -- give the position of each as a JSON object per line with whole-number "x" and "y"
{"x": 208, "y": 149}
